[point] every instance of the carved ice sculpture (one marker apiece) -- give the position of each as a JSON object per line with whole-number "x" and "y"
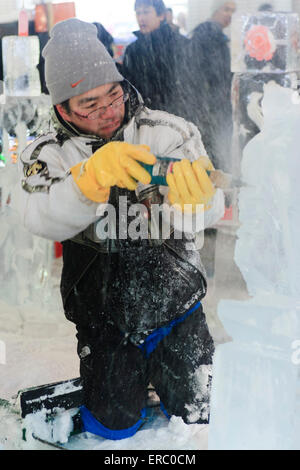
{"x": 255, "y": 388}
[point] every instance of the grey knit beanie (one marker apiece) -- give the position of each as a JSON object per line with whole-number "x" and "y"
{"x": 76, "y": 61}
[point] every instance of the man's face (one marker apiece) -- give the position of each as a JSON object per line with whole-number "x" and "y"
{"x": 224, "y": 13}
{"x": 101, "y": 97}
{"x": 147, "y": 18}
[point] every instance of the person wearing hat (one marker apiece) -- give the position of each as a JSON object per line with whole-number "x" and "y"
{"x": 135, "y": 300}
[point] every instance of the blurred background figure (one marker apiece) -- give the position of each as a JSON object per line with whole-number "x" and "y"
{"x": 181, "y": 21}
{"x": 106, "y": 38}
{"x": 170, "y": 19}
{"x": 211, "y": 71}
{"x": 210, "y": 55}
{"x": 266, "y": 7}
{"x": 156, "y": 62}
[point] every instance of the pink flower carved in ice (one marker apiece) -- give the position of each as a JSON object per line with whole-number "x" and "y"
{"x": 259, "y": 43}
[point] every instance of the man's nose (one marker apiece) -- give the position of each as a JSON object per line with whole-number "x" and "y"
{"x": 109, "y": 112}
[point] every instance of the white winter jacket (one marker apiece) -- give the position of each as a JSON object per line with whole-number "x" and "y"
{"x": 51, "y": 204}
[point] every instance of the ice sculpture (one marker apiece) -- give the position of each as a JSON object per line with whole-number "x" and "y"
{"x": 263, "y": 48}
{"x": 25, "y": 259}
{"x": 254, "y": 401}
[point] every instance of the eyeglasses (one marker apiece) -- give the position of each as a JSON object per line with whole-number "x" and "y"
{"x": 97, "y": 113}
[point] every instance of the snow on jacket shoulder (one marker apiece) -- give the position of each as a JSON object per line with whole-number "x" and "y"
{"x": 51, "y": 204}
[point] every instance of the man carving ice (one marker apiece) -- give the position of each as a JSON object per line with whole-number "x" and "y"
{"x": 135, "y": 303}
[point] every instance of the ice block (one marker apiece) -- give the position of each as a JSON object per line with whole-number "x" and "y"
{"x": 20, "y": 60}
{"x": 267, "y": 42}
{"x": 254, "y": 388}
{"x": 25, "y": 260}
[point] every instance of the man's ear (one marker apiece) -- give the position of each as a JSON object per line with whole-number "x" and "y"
{"x": 63, "y": 113}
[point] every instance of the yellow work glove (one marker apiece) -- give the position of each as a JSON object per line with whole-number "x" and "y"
{"x": 190, "y": 184}
{"x": 114, "y": 164}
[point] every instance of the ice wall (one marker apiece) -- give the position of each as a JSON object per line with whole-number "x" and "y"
{"x": 264, "y": 47}
{"x": 25, "y": 259}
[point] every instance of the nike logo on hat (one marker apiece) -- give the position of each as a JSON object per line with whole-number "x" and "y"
{"x": 74, "y": 85}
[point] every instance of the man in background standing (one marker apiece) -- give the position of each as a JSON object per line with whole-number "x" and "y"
{"x": 156, "y": 62}
{"x": 210, "y": 56}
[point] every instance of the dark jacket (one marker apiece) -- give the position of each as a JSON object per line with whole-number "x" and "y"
{"x": 210, "y": 59}
{"x": 105, "y": 37}
{"x": 155, "y": 64}
{"x": 139, "y": 287}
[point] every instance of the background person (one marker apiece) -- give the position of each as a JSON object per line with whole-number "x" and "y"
{"x": 266, "y": 7}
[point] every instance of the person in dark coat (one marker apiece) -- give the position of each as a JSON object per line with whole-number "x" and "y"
{"x": 155, "y": 62}
{"x": 210, "y": 55}
{"x": 169, "y": 20}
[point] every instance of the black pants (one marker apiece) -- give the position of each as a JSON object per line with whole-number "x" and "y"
{"x": 115, "y": 373}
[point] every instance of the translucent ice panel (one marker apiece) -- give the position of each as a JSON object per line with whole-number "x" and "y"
{"x": 266, "y": 42}
{"x": 254, "y": 388}
{"x": 20, "y": 60}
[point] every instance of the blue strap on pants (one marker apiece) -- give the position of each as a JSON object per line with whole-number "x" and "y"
{"x": 157, "y": 335}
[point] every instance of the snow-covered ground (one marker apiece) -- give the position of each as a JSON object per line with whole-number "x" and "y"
{"x": 39, "y": 347}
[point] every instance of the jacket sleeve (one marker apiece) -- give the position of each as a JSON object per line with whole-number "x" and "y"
{"x": 173, "y": 137}
{"x": 49, "y": 202}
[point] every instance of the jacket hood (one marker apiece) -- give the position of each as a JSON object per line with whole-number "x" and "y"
{"x": 132, "y": 107}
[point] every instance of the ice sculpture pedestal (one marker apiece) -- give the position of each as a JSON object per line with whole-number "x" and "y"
{"x": 255, "y": 408}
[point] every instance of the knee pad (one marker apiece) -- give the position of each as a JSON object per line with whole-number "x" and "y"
{"x": 92, "y": 425}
